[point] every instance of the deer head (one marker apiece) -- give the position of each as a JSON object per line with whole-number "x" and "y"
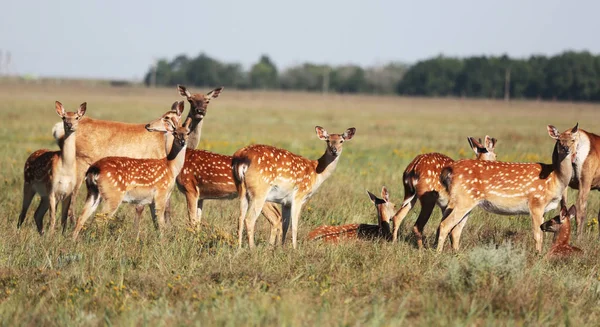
{"x": 334, "y": 141}
{"x": 173, "y": 117}
{"x": 70, "y": 119}
{"x": 385, "y": 208}
{"x": 566, "y": 142}
{"x": 553, "y": 225}
{"x": 484, "y": 151}
{"x": 198, "y": 102}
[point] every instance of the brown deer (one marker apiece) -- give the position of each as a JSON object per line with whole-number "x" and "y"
{"x": 560, "y": 226}
{"x": 421, "y": 180}
{"x": 52, "y": 174}
{"x": 208, "y": 175}
{"x": 140, "y": 181}
{"x": 385, "y": 210}
{"x": 507, "y": 188}
{"x": 102, "y": 138}
{"x": 586, "y": 174}
{"x": 265, "y": 173}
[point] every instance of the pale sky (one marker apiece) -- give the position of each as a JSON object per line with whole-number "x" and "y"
{"x": 119, "y": 39}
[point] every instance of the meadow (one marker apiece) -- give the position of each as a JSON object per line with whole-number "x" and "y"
{"x": 201, "y": 278}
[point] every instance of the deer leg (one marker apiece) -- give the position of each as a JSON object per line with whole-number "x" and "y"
{"x": 167, "y": 210}
{"x": 39, "y": 214}
{"x": 28, "y": 194}
{"x": 457, "y": 231}
{"x": 399, "y": 217}
{"x": 274, "y": 217}
{"x": 537, "y": 217}
{"x": 82, "y": 167}
{"x": 198, "y": 218}
{"x": 427, "y": 206}
{"x": 254, "y": 209}
{"x": 66, "y": 203}
{"x": 139, "y": 211}
{"x": 91, "y": 204}
{"x": 452, "y": 216}
{"x": 158, "y": 214}
{"x": 581, "y": 205}
{"x": 53, "y": 205}
{"x": 286, "y": 217}
{"x": 296, "y": 208}
{"x": 243, "y": 210}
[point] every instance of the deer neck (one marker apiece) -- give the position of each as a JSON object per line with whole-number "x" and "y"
{"x": 563, "y": 168}
{"x": 175, "y": 157}
{"x": 67, "y": 147}
{"x": 385, "y": 229}
{"x": 564, "y": 233}
{"x": 196, "y": 132}
{"x": 325, "y": 167}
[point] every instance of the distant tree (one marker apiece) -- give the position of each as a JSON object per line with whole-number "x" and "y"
{"x": 383, "y": 79}
{"x": 263, "y": 74}
{"x": 347, "y": 79}
{"x": 163, "y": 73}
{"x": 434, "y": 77}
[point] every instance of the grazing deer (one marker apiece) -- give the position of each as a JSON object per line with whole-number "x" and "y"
{"x": 507, "y": 188}
{"x": 103, "y": 138}
{"x": 52, "y": 174}
{"x": 208, "y": 175}
{"x": 421, "y": 180}
{"x": 385, "y": 210}
{"x": 561, "y": 227}
{"x": 586, "y": 174}
{"x": 265, "y": 173}
{"x": 140, "y": 181}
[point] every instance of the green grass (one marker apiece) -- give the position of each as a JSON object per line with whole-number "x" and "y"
{"x": 108, "y": 278}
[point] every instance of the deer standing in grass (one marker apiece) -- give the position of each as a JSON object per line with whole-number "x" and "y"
{"x": 102, "y": 138}
{"x": 421, "y": 180}
{"x": 560, "y": 226}
{"x": 265, "y": 173}
{"x": 208, "y": 175}
{"x": 52, "y": 174}
{"x": 385, "y": 210}
{"x": 507, "y": 188}
{"x": 139, "y": 181}
{"x": 586, "y": 174}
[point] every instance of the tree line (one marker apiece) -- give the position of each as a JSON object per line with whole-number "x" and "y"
{"x": 567, "y": 76}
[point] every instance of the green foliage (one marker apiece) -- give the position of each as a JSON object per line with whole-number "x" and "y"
{"x": 263, "y": 75}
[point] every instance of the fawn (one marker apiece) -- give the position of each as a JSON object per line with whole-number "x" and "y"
{"x": 139, "y": 181}
{"x": 385, "y": 210}
{"x": 560, "y": 226}
{"x": 52, "y": 174}
{"x": 421, "y": 180}
{"x": 265, "y": 173}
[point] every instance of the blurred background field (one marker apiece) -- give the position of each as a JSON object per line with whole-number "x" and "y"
{"x": 202, "y": 279}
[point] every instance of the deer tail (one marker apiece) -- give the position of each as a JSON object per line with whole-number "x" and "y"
{"x": 91, "y": 183}
{"x": 410, "y": 179}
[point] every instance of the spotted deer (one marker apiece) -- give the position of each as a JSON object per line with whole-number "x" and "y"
{"x": 560, "y": 226}
{"x": 139, "y": 181}
{"x": 52, "y": 174}
{"x": 385, "y": 210}
{"x": 421, "y": 180}
{"x": 265, "y": 173}
{"x": 586, "y": 174}
{"x": 507, "y": 188}
{"x": 208, "y": 175}
{"x": 102, "y": 138}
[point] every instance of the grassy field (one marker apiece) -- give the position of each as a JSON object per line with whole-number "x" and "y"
{"x": 187, "y": 278}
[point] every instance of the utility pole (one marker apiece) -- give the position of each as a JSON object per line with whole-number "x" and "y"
{"x": 507, "y": 85}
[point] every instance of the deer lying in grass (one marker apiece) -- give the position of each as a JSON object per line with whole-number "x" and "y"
{"x": 385, "y": 210}
{"x": 52, "y": 174}
{"x": 507, "y": 188}
{"x": 560, "y": 226}
{"x": 265, "y": 173}
{"x": 103, "y": 138}
{"x": 421, "y": 180}
{"x": 208, "y": 175}
{"x": 139, "y": 181}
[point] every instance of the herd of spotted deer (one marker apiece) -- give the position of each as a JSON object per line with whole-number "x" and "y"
{"x": 122, "y": 162}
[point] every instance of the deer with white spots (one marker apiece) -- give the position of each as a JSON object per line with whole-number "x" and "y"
{"x": 265, "y": 173}
{"x": 208, "y": 175}
{"x": 139, "y": 181}
{"x": 102, "y": 138}
{"x": 507, "y": 188}
{"x": 381, "y": 231}
{"x": 52, "y": 174}
{"x": 421, "y": 180}
{"x": 560, "y": 226}
{"x": 586, "y": 174}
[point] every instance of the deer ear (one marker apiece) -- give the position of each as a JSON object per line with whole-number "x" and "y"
{"x": 82, "y": 109}
{"x": 322, "y": 133}
{"x": 183, "y": 91}
{"x": 575, "y": 129}
{"x": 60, "y": 110}
{"x": 372, "y": 197}
{"x": 349, "y": 133}
{"x": 213, "y": 94}
{"x": 179, "y": 108}
{"x": 553, "y": 132}
{"x": 572, "y": 211}
{"x": 490, "y": 143}
{"x": 385, "y": 195}
{"x": 475, "y": 145}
